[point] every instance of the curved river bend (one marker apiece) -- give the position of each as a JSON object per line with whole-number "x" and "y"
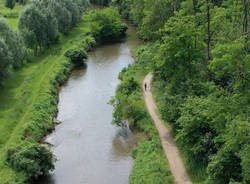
{"x": 89, "y": 149}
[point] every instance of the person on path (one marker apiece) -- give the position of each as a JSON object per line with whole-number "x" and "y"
{"x": 169, "y": 146}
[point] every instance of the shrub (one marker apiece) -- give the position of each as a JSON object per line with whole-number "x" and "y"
{"x": 107, "y": 25}
{"x": 77, "y": 56}
{"x": 88, "y": 42}
{"x": 32, "y": 159}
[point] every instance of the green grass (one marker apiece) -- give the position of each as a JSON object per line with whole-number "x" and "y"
{"x": 30, "y": 96}
{"x": 13, "y": 23}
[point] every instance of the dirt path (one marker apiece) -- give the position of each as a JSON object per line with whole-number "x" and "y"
{"x": 171, "y": 150}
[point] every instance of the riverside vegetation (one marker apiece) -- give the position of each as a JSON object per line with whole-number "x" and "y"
{"x": 199, "y": 54}
{"x": 30, "y": 84}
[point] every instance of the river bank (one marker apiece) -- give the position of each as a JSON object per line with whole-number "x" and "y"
{"x": 29, "y": 99}
{"x": 150, "y": 165}
{"x": 36, "y": 87}
{"x": 89, "y": 148}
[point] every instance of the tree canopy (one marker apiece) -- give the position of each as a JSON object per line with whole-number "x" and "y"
{"x": 199, "y": 53}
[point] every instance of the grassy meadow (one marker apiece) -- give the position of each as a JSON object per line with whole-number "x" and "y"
{"x": 11, "y": 15}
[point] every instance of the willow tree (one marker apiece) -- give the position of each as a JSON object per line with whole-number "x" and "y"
{"x": 5, "y": 61}
{"x": 14, "y": 42}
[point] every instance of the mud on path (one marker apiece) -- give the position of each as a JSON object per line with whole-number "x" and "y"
{"x": 170, "y": 148}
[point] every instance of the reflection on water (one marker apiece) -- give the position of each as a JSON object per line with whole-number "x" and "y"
{"x": 123, "y": 143}
{"x": 89, "y": 149}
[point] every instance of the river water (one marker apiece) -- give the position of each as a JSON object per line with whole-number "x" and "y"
{"x": 89, "y": 149}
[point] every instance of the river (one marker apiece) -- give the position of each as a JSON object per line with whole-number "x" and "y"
{"x": 89, "y": 149}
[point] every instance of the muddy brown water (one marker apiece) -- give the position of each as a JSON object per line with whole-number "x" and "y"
{"x": 89, "y": 149}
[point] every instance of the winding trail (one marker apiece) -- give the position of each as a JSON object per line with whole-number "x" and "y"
{"x": 169, "y": 146}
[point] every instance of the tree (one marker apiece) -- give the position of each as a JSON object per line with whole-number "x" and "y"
{"x": 181, "y": 54}
{"x": 5, "y": 61}
{"x": 101, "y": 2}
{"x": 63, "y": 16}
{"x": 10, "y": 3}
{"x": 51, "y": 27}
{"x": 74, "y": 9}
{"x": 156, "y": 14}
{"x": 77, "y": 56}
{"x": 33, "y": 159}
{"x": 107, "y": 25}
{"x": 137, "y": 11}
{"x": 31, "y": 26}
{"x": 14, "y": 42}
{"x": 38, "y": 26}
{"x": 231, "y": 64}
{"x": 226, "y": 164}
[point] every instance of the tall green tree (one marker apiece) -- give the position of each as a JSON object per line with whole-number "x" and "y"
{"x": 63, "y": 16}
{"x": 101, "y": 2}
{"x": 38, "y": 27}
{"x": 107, "y": 25}
{"x": 5, "y": 61}
{"x": 74, "y": 9}
{"x": 231, "y": 64}
{"x": 156, "y": 13}
{"x": 32, "y": 27}
{"x": 14, "y": 42}
{"x": 137, "y": 11}
{"x": 10, "y": 3}
{"x": 181, "y": 54}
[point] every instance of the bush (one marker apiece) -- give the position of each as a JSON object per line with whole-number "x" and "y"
{"x": 32, "y": 159}
{"x": 77, "y": 56}
{"x": 107, "y": 25}
{"x": 88, "y": 42}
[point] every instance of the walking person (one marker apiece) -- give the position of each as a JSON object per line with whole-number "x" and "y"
{"x": 145, "y": 86}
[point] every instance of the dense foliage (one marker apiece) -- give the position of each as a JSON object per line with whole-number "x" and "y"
{"x": 107, "y": 25}
{"x": 201, "y": 62}
{"x": 150, "y": 162}
{"x": 77, "y": 56}
{"x": 41, "y": 21}
{"x": 33, "y": 159}
{"x": 39, "y": 26}
{"x": 5, "y": 61}
{"x": 101, "y": 2}
{"x": 14, "y": 42}
{"x": 13, "y": 50}
{"x": 10, "y": 3}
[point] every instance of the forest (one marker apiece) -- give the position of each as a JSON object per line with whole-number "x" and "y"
{"x": 199, "y": 54}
